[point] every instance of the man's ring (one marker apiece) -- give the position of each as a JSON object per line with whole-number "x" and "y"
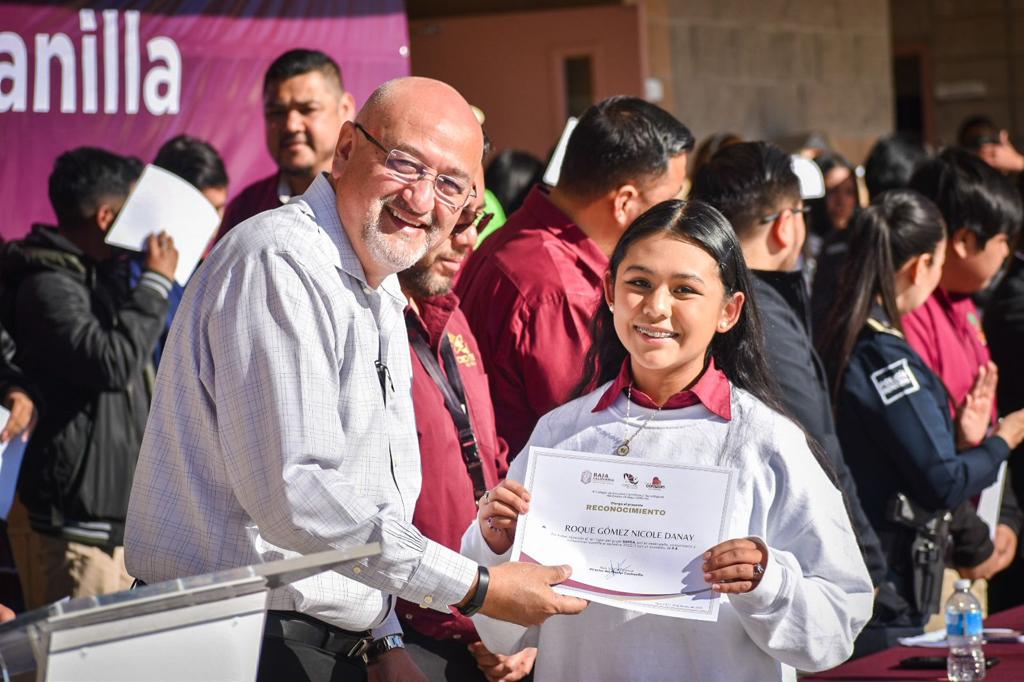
{"x": 758, "y": 570}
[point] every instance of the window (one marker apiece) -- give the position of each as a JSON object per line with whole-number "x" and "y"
{"x": 579, "y": 84}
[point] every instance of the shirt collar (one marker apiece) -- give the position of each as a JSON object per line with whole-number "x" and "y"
{"x": 544, "y": 212}
{"x": 712, "y": 390}
{"x": 434, "y": 314}
{"x": 321, "y": 200}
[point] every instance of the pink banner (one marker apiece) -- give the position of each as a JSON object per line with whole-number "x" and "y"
{"x": 128, "y": 76}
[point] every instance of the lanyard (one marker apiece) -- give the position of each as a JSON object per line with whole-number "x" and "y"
{"x": 454, "y": 394}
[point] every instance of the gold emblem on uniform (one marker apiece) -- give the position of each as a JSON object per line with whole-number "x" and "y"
{"x": 463, "y": 355}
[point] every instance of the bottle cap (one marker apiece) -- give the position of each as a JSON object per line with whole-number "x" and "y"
{"x": 962, "y": 584}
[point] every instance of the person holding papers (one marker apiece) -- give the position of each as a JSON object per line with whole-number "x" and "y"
{"x": 682, "y": 384}
{"x": 83, "y": 339}
{"x": 913, "y": 463}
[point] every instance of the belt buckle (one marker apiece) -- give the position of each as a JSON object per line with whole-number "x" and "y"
{"x": 360, "y": 648}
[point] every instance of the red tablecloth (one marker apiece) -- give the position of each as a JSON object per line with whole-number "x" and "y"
{"x": 882, "y": 666}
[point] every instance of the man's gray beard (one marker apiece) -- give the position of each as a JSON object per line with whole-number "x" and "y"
{"x": 384, "y": 251}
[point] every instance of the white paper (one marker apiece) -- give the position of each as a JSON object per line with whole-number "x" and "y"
{"x": 554, "y": 169}
{"x": 163, "y": 202}
{"x": 11, "y": 454}
{"x": 634, "y": 531}
{"x": 991, "y": 500}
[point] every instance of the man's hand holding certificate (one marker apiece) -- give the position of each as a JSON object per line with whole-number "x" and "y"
{"x": 636, "y": 532}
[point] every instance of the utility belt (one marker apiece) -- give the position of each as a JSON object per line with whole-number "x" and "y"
{"x": 927, "y": 551}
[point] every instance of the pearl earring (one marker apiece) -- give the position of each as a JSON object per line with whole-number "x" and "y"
{"x": 611, "y": 308}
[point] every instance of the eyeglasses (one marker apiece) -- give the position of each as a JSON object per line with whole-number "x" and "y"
{"x": 803, "y": 210}
{"x": 478, "y": 220}
{"x": 451, "y": 192}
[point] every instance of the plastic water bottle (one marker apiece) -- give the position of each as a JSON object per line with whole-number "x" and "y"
{"x": 964, "y": 634}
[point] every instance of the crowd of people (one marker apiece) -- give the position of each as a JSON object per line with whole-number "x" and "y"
{"x": 386, "y": 326}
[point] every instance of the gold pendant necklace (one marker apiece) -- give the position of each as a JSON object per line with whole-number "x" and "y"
{"x": 623, "y": 448}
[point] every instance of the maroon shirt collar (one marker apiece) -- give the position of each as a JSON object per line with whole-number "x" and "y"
{"x": 539, "y": 205}
{"x": 434, "y": 314}
{"x": 712, "y": 390}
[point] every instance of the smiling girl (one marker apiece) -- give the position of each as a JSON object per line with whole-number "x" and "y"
{"x": 680, "y": 377}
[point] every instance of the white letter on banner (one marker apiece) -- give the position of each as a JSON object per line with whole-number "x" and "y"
{"x": 16, "y": 70}
{"x": 111, "y": 62}
{"x": 87, "y": 22}
{"x": 131, "y": 62}
{"x": 170, "y": 75}
{"x": 47, "y": 48}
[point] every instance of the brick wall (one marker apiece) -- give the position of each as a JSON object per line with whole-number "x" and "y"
{"x": 775, "y": 69}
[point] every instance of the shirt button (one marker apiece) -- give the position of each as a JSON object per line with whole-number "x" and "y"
{"x": 367, "y": 290}
{"x": 456, "y": 636}
{"x": 408, "y": 616}
{"x": 357, "y": 570}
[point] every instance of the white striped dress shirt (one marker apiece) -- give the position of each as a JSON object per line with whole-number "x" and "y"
{"x": 270, "y": 436}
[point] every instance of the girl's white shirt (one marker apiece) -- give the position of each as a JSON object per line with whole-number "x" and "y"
{"x": 815, "y": 595}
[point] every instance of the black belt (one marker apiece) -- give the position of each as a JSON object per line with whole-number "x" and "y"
{"x": 298, "y": 627}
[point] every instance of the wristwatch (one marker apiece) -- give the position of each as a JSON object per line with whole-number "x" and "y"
{"x": 381, "y": 646}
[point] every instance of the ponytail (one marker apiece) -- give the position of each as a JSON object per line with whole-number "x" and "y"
{"x": 897, "y": 226}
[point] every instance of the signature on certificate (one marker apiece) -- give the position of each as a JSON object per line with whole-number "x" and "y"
{"x": 620, "y": 568}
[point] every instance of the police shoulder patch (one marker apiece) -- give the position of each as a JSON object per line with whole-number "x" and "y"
{"x": 895, "y": 381}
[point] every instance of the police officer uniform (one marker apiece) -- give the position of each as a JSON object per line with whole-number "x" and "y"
{"x": 899, "y": 440}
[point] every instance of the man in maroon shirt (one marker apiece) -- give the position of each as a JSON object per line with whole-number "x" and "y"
{"x": 304, "y": 107}
{"x": 462, "y": 454}
{"x": 531, "y": 289}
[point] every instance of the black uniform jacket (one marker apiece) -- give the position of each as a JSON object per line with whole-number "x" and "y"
{"x": 897, "y": 436}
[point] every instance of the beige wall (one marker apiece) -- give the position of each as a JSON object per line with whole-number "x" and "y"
{"x": 510, "y": 65}
{"x": 975, "y": 54}
{"x": 767, "y": 69}
{"x": 775, "y": 68}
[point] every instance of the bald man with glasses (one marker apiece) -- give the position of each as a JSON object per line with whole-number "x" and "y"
{"x": 283, "y": 420}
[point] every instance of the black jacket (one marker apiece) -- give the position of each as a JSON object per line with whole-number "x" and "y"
{"x": 83, "y": 339}
{"x": 1004, "y": 327}
{"x": 827, "y": 272}
{"x": 803, "y": 385}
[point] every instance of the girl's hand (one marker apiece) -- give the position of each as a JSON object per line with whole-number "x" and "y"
{"x": 498, "y": 513}
{"x": 974, "y": 415}
{"x": 735, "y": 566}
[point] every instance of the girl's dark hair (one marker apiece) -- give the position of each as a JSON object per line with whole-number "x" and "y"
{"x": 898, "y": 225}
{"x": 738, "y": 352}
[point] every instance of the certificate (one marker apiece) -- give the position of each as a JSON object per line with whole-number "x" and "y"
{"x": 633, "y": 530}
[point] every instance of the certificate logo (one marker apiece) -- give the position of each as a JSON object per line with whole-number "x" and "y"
{"x": 586, "y": 477}
{"x": 630, "y": 480}
{"x": 656, "y": 483}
